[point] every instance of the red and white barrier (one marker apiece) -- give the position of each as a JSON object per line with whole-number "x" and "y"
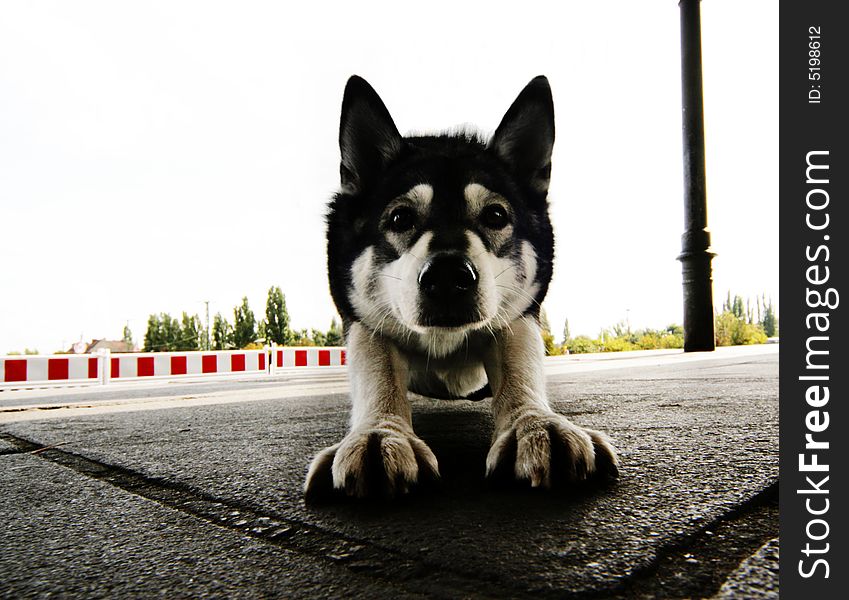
{"x": 78, "y": 369}
{"x": 49, "y": 370}
{"x": 176, "y": 364}
{"x": 284, "y": 358}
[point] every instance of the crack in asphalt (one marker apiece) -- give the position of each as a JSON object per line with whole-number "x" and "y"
{"x": 710, "y": 555}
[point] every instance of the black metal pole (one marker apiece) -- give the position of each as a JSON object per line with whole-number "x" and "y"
{"x": 696, "y": 254}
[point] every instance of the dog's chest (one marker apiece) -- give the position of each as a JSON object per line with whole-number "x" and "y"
{"x": 455, "y": 373}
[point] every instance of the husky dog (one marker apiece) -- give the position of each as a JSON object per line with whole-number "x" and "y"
{"x": 439, "y": 253}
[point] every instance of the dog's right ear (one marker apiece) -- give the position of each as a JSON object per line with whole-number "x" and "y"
{"x": 368, "y": 138}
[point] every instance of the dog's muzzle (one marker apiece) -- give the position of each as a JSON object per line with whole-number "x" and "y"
{"x": 448, "y": 286}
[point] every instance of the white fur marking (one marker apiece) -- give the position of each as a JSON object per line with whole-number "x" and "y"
{"x": 362, "y": 270}
{"x": 421, "y": 193}
{"x": 506, "y": 287}
{"x": 477, "y": 197}
{"x": 400, "y": 287}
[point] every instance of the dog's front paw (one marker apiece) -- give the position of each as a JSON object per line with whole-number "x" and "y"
{"x": 380, "y": 461}
{"x": 547, "y": 449}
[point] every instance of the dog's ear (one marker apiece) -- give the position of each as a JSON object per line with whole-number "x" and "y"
{"x": 525, "y": 137}
{"x": 368, "y": 138}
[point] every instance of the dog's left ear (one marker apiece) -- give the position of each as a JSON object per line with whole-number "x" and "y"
{"x": 368, "y": 138}
{"x": 525, "y": 137}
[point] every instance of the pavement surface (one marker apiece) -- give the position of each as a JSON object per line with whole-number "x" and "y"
{"x": 194, "y": 489}
{"x": 757, "y": 577}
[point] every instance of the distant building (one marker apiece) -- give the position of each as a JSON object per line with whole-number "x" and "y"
{"x": 95, "y": 345}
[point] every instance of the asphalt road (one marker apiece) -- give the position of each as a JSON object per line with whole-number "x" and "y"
{"x": 150, "y": 492}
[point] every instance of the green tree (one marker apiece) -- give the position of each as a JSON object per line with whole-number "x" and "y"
{"x": 163, "y": 333}
{"x": 301, "y": 337}
{"x": 277, "y": 318}
{"x": 551, "y": 349}
{"x": 619, "y": 344}
{"x": 334, "y": 335}
{"x": 583, "y": 344}
{"x": 190, "y": 333}
{"x": 319, "y": 338}
{"x": 222, "y": 333}
{"x": 674, "y": 329}
{"x": 733, "y": 330}
{"x": 770, "y": 321}
{"x": 171, "y": 333}
{"x": 128, "y": 336}
{"x": 620, "y": 329}
{"x": 153, "y": 335}
{"x": 737, "y": 308}
{"x": 244, "y": 325}
{"x": 566, "y": 334}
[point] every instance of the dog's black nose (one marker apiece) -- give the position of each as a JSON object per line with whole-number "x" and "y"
{"x": 447, "y": 277}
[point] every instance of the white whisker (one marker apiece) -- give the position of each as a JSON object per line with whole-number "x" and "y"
{"x": 519, "y": 290}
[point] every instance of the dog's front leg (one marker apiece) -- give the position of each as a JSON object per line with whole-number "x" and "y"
{"x": 531, "y": 442}
{"x": 381, "y": 455}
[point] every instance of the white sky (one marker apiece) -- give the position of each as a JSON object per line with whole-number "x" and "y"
{"x": 155, "y": 155}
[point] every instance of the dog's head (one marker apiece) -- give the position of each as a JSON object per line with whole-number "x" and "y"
{"x": 441, "y": 234}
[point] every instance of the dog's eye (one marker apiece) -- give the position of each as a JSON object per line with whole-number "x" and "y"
{"x": 402, "y": 219}
{"x": 495, "y": 216}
